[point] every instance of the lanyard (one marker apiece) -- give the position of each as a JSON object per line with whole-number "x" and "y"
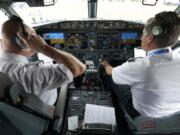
{"x": 158, "y": 52}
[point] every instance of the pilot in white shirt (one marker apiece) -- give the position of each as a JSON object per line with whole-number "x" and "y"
{"x": 35, "y": 78}
{"x": 154, "y": 80}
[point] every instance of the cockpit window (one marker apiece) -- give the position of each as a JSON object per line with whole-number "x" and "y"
{"x": 2, "y": 20}
{"x": 62, "y": 10}
{"x": 132, "y": 10}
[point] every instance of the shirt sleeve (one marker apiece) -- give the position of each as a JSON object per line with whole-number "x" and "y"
{"x": 128, "y": 73}
{"x": 37, "y": 77}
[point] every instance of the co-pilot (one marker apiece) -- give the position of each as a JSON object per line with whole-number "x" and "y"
{"x": 155, "y": 79}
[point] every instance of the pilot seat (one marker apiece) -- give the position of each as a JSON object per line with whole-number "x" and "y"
{"x": 25, "y": 114}
{"x": 140, "y": 125}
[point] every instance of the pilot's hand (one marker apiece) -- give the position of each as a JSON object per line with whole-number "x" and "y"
{"x": 107, "y": 67}
{"x": 33, "y": 41}
{"x": 104, "y": 63}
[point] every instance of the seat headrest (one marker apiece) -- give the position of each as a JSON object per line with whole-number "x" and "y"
{"x": 5, "y": 82}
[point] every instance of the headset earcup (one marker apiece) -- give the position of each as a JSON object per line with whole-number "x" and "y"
{"x": 157, "y": 30}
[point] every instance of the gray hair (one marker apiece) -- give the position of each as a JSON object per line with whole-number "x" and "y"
{"x": 169, "y": 25}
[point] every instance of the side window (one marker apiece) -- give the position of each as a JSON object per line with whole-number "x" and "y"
{"x": 2, "y": 20}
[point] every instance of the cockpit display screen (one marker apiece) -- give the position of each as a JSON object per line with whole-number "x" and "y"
{"x": 77, "y": 40}
{"x": 54, "y": 39}
{"x": 129, "y": 37}
{"x": 107, "y": 41}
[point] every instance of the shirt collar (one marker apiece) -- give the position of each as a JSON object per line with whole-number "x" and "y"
{"x": 159, "y": 51}
{"x": 7, "y": 56}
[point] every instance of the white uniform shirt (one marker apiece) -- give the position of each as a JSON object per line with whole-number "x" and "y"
{"x": 155, "y": 83}
{"x": 35, "y": 78}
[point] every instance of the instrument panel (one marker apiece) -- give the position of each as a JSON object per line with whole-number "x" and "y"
{"x": 94, "y": 39}
{"x": 91, "y": 42}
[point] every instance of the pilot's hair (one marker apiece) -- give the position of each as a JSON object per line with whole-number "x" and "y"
{"x": 169, "y": 25}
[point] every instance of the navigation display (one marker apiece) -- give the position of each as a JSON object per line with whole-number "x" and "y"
{"x": 107, "y": 41}
{"x": 54, "y": 39}
{"x": 129, "y": 37}
{"x": 77, "y": 41}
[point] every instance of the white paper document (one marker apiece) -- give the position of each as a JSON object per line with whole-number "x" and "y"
{"x": 72, "y": 123}
{"x": 99, "y": 114}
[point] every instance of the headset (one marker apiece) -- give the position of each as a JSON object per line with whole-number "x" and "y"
{"x": 19, "y": 42}
{"x": 157, "y": 31}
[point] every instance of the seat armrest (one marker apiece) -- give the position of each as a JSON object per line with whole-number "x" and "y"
{"x": 5, "y": 83}
{"x": 36, "y": 104}
{"x": 12, "y": 93}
